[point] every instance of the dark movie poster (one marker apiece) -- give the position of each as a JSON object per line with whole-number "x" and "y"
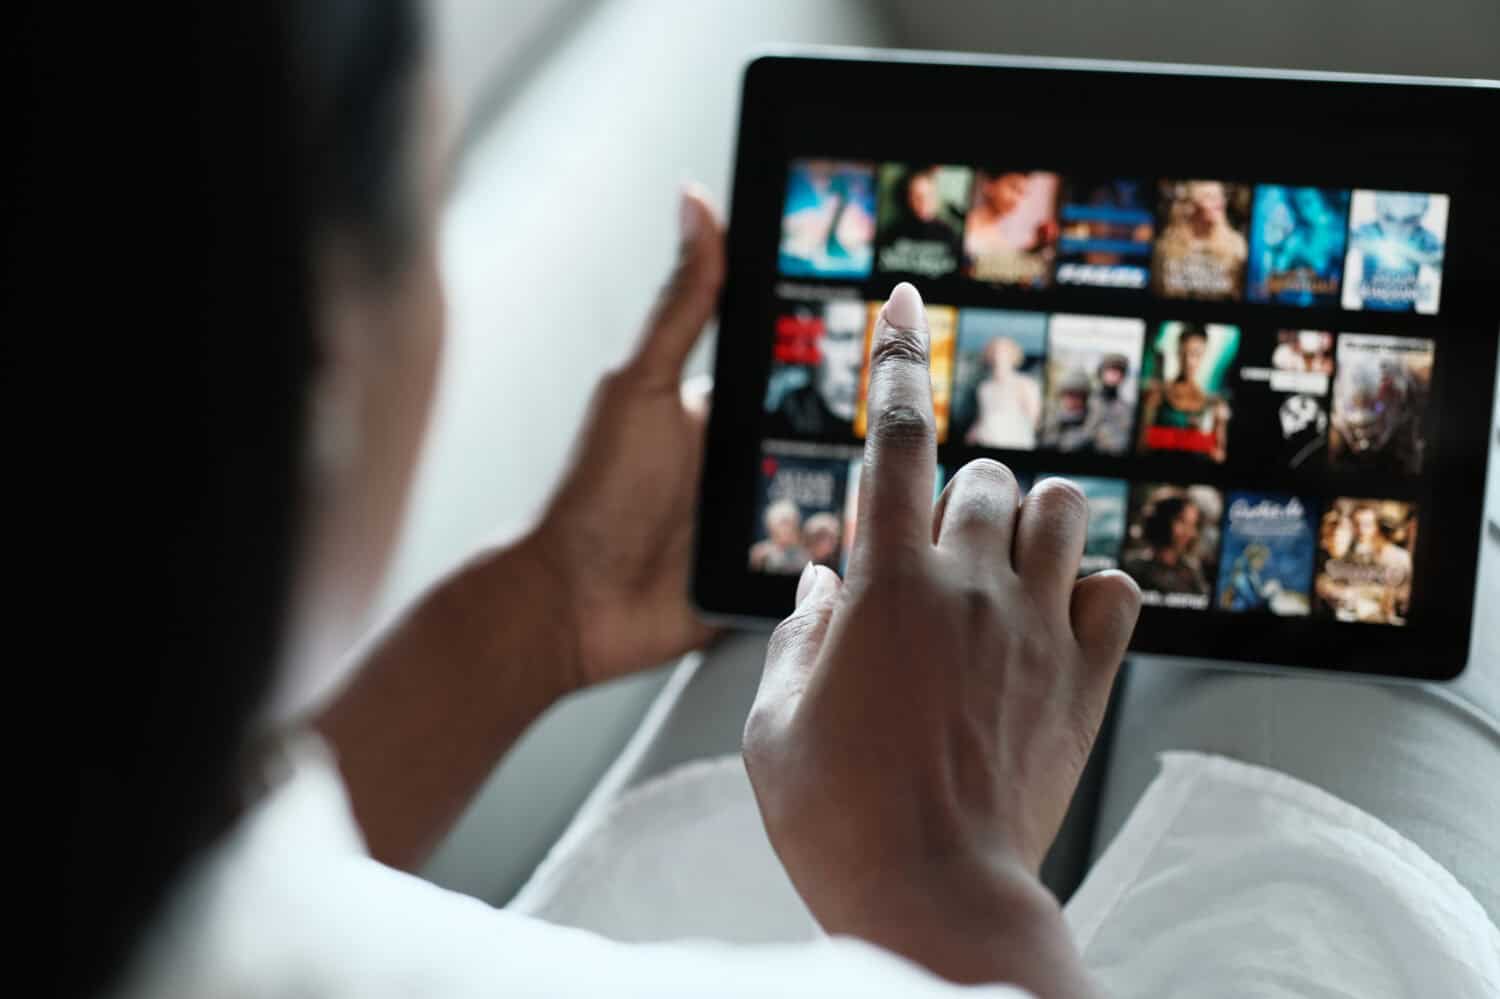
{"x": 799, "y": 510}
{"x": 921, "y": 219}
{"x": 1380, "y": 395}
{"x": 1172, "y": 544}
{"x": 1281, "y": 402}
{"x": 1106, "y": 230}
{"x": 817, "y": 356}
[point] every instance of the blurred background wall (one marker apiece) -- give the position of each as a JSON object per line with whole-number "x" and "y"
{"x": 576, "y": 121}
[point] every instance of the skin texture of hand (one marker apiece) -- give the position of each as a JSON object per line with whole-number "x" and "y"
{"x": 921, "y": 726}
{"x": 618, "y": 535}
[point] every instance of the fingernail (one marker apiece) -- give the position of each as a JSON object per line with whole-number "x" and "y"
{"x": 805, "y": 584}
{"x": 904, "y": 308}
{"x": 687, "y": 214}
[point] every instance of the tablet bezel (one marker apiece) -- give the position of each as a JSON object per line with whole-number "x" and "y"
{"x": 782, "y": 94}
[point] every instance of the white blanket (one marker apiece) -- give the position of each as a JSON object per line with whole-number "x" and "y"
{"x": 1228, "y": 880}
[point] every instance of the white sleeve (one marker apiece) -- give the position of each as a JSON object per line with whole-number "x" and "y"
{"x": 456, "y": 946}
{"x": 1231, "y": 879}
{"x": 292, "y": 906}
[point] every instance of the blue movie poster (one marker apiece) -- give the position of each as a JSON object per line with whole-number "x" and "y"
{"x": 828, "y": 221}
{"x": 1270, "y": 545}
{"x": 1396, "y": 245}
{"x": 1297, "y": 240}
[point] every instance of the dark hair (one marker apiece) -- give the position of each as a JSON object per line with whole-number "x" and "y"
{"x": 1191, "y": 331}
{"x": 1158, "y": 526}
{"x": 357, "y": 62}
{"x": 251, "y": 129}
{"x": 903, "y": 187}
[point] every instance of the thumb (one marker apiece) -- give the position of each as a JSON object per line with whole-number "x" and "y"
{"x": 690, "y": 297}
{"x": 792, "y": 654}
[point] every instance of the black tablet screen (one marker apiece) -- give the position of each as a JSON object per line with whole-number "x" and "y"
{"x": 1250, "y": 339}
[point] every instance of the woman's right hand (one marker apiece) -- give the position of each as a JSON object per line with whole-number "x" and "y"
{"x": 921, "y": 726}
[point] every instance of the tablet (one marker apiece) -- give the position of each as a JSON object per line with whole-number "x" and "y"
{"x": 1252, "y": 314}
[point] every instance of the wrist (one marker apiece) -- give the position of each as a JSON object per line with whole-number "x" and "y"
{"x": 966, "y": 919}
{"x": 511, "y": 598}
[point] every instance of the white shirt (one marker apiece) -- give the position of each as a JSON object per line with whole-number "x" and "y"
{"x": 1227, "y": 880}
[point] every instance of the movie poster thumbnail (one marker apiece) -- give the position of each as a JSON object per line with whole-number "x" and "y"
{"x": 1107, "y": 499}
{"x": 1201, "y": 248}
{"x": 1093, "y": 369}
{"x": 942, "y": 321}
{"x": 1297, "y": 241}
{"x": 1010, "y": 236}
{"x": 920, "y": 219}
{"x": 1281, "y": 403}
{"x": 1184, "y": 398}
{"x": 828, "y": 222}
{"x": 1395, "y": 259}
{"x": 1172, "y": 544}
{"x": 817, "y": 357}
{"x": 1380, "y": 396}
{"x": 1266, "y": 565}
{"x": 1365, "y": 550}
{"x": 851, "y": 505}
{"x": 997, "y": 390}
{"x": 799, "y": 509}
{"x": 1105, "y": 231}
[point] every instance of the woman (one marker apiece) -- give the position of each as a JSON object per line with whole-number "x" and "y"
{"x": 1011, "y": 230}
{"x": 1168, "y": 563}
{"x": 1009, "y": 402}
{"x": 262, "y": 437}
{"x": 1199, "y": 253}
{"x": 1179, "y": 415}
{"x": 249, "y": 456}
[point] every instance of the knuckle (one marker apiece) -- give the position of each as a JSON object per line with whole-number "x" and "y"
{"x": 983, "y": 490}
{"x": 788, "y": 637}
{"x": 902, "y": 426}
{"x": 678, "y": 285}
{"x": 757, "y": 733}
{"x": 783, "y": 640}
{"x": 988, "y": 474}
{"x": 1124, "y": 592}
{"x": 980, "y": 602}
{"x": 988, "y": 468}
{"x": 898, "y": 346}
{"x": 1060, "y": 499}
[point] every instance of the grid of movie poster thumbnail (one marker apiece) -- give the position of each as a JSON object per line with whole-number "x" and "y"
{"x": 1193, "y": 547}
{"x": 1182, "y": 238}
{"x": 1204, "y": 394}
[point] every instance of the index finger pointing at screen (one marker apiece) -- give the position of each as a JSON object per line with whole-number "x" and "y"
{"x": 895, "y": 495}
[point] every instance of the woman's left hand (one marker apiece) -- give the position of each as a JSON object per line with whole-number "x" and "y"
{"x": 617, "y": 538}
{"x": 599, "y": 589}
